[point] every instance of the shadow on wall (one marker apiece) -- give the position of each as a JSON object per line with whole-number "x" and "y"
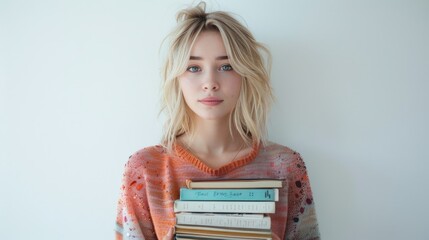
{"x": 334, "y": 192}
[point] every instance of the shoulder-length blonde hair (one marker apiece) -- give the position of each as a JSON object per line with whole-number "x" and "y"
{"x": 246, "y": 56}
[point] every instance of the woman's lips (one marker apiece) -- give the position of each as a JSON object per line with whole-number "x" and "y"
{"x": 210, "y": 101}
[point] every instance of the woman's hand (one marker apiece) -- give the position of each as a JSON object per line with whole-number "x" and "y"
{"x": 170, "y": 234}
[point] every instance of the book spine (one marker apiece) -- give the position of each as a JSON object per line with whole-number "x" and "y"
{"x": 229, "y": 194}
{"x": 224, "y": 206}
{"x": 223, "y": 221}
{"x": 221, "y": 233}
{"x": 200, "y": 237}
{"x": 234, "y": 183}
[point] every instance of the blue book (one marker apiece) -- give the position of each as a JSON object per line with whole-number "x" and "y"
{"x": 259, "y": 194}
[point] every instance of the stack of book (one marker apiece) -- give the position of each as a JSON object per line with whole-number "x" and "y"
{"x": 226, "y": 209}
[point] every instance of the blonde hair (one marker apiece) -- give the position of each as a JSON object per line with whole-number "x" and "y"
{"x": 246, "y": 57}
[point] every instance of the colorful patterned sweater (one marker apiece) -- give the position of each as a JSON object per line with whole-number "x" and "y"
{"x": 153, "y": 177}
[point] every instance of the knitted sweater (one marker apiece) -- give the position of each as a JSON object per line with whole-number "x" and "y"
{"x": 153, "y": 177}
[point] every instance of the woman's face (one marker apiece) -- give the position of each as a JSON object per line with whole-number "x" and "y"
{"x": 210, "y": 86}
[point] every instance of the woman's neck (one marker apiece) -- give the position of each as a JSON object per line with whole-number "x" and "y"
{"x": 213, "y": 137}
{"x": 213, "y": 143}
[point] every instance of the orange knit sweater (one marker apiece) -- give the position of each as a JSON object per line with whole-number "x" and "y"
{"x": 153, "y": 177}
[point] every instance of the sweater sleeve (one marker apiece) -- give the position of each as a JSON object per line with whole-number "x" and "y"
{"x": 133, "y": 216}
{"x": 301, "y": 222}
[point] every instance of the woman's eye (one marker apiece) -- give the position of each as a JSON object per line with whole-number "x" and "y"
{"x": 226, "y": 67}
{"x": 193, "y": 69}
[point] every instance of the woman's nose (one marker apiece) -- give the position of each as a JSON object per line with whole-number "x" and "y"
{"x": 210, "y": 81}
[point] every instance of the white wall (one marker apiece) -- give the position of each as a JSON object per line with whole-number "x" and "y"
{"x": 79, "y": 93}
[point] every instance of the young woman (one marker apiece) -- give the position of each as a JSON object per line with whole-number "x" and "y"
{"x": 216, "y": 95}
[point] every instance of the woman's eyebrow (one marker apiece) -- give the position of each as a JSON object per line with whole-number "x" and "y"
{"x": 200, "y": 58}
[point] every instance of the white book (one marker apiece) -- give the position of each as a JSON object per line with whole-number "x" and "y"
{"x": 224, "y": 207}
{"x": 248, "y": 221}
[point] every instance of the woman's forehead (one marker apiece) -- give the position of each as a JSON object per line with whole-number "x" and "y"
{"x": 209, "y": 45}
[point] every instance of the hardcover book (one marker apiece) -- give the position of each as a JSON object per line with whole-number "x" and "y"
{"x": 194, "y": 237}
{"x": 234, "y": 183}
{"x": 229, "y": 194}
{"x": 221, "y": 233}
{"x": 224, "y": 206}
{"x": 245, "y": 221}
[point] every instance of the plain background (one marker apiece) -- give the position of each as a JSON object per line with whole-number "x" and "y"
{"x": 79, "y": 90}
